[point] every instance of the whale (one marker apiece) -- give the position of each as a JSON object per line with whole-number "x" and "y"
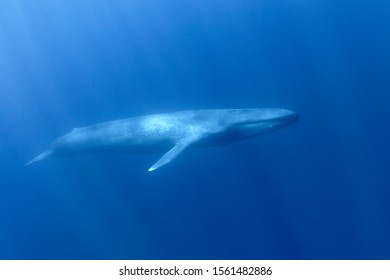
{"x": 171, "y": 133}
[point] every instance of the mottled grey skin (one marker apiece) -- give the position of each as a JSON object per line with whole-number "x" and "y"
{"x": 173, "y": 131}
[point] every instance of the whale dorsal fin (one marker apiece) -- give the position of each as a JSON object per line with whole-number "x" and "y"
{"x": 173, "y": 153}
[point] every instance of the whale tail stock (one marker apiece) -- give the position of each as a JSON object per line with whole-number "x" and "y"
{"x": 39, "y": 157}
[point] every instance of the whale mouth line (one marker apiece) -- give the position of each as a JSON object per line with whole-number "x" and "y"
{"x": 293, "y": 117}
{"x": 286, "y": 119}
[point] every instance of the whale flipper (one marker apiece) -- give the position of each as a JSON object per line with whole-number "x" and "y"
{"x": 172, "y": 153}
{"x": 39, "y": 157}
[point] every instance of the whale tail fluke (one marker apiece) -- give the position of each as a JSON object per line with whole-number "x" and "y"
{"x": 39, "y": 157}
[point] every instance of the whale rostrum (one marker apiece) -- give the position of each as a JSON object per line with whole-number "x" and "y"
{"x": 171, "y": 132}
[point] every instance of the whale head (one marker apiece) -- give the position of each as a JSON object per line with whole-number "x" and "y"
{"x": 245, "y": 123}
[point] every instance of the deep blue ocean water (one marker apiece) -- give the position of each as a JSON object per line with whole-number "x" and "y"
{"x": 319, "y": 189}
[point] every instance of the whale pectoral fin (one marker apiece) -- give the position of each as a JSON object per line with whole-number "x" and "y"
{"x": 171, "y": 154}
{"x": 39, "y": 157}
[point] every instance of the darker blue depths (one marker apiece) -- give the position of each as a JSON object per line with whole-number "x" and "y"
{"x": 316, "y": 190}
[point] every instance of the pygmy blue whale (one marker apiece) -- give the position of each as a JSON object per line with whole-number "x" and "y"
{"x": 174, "y": 132}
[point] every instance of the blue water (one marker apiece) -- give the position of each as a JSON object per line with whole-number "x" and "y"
{"x": 319, "y": 189}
